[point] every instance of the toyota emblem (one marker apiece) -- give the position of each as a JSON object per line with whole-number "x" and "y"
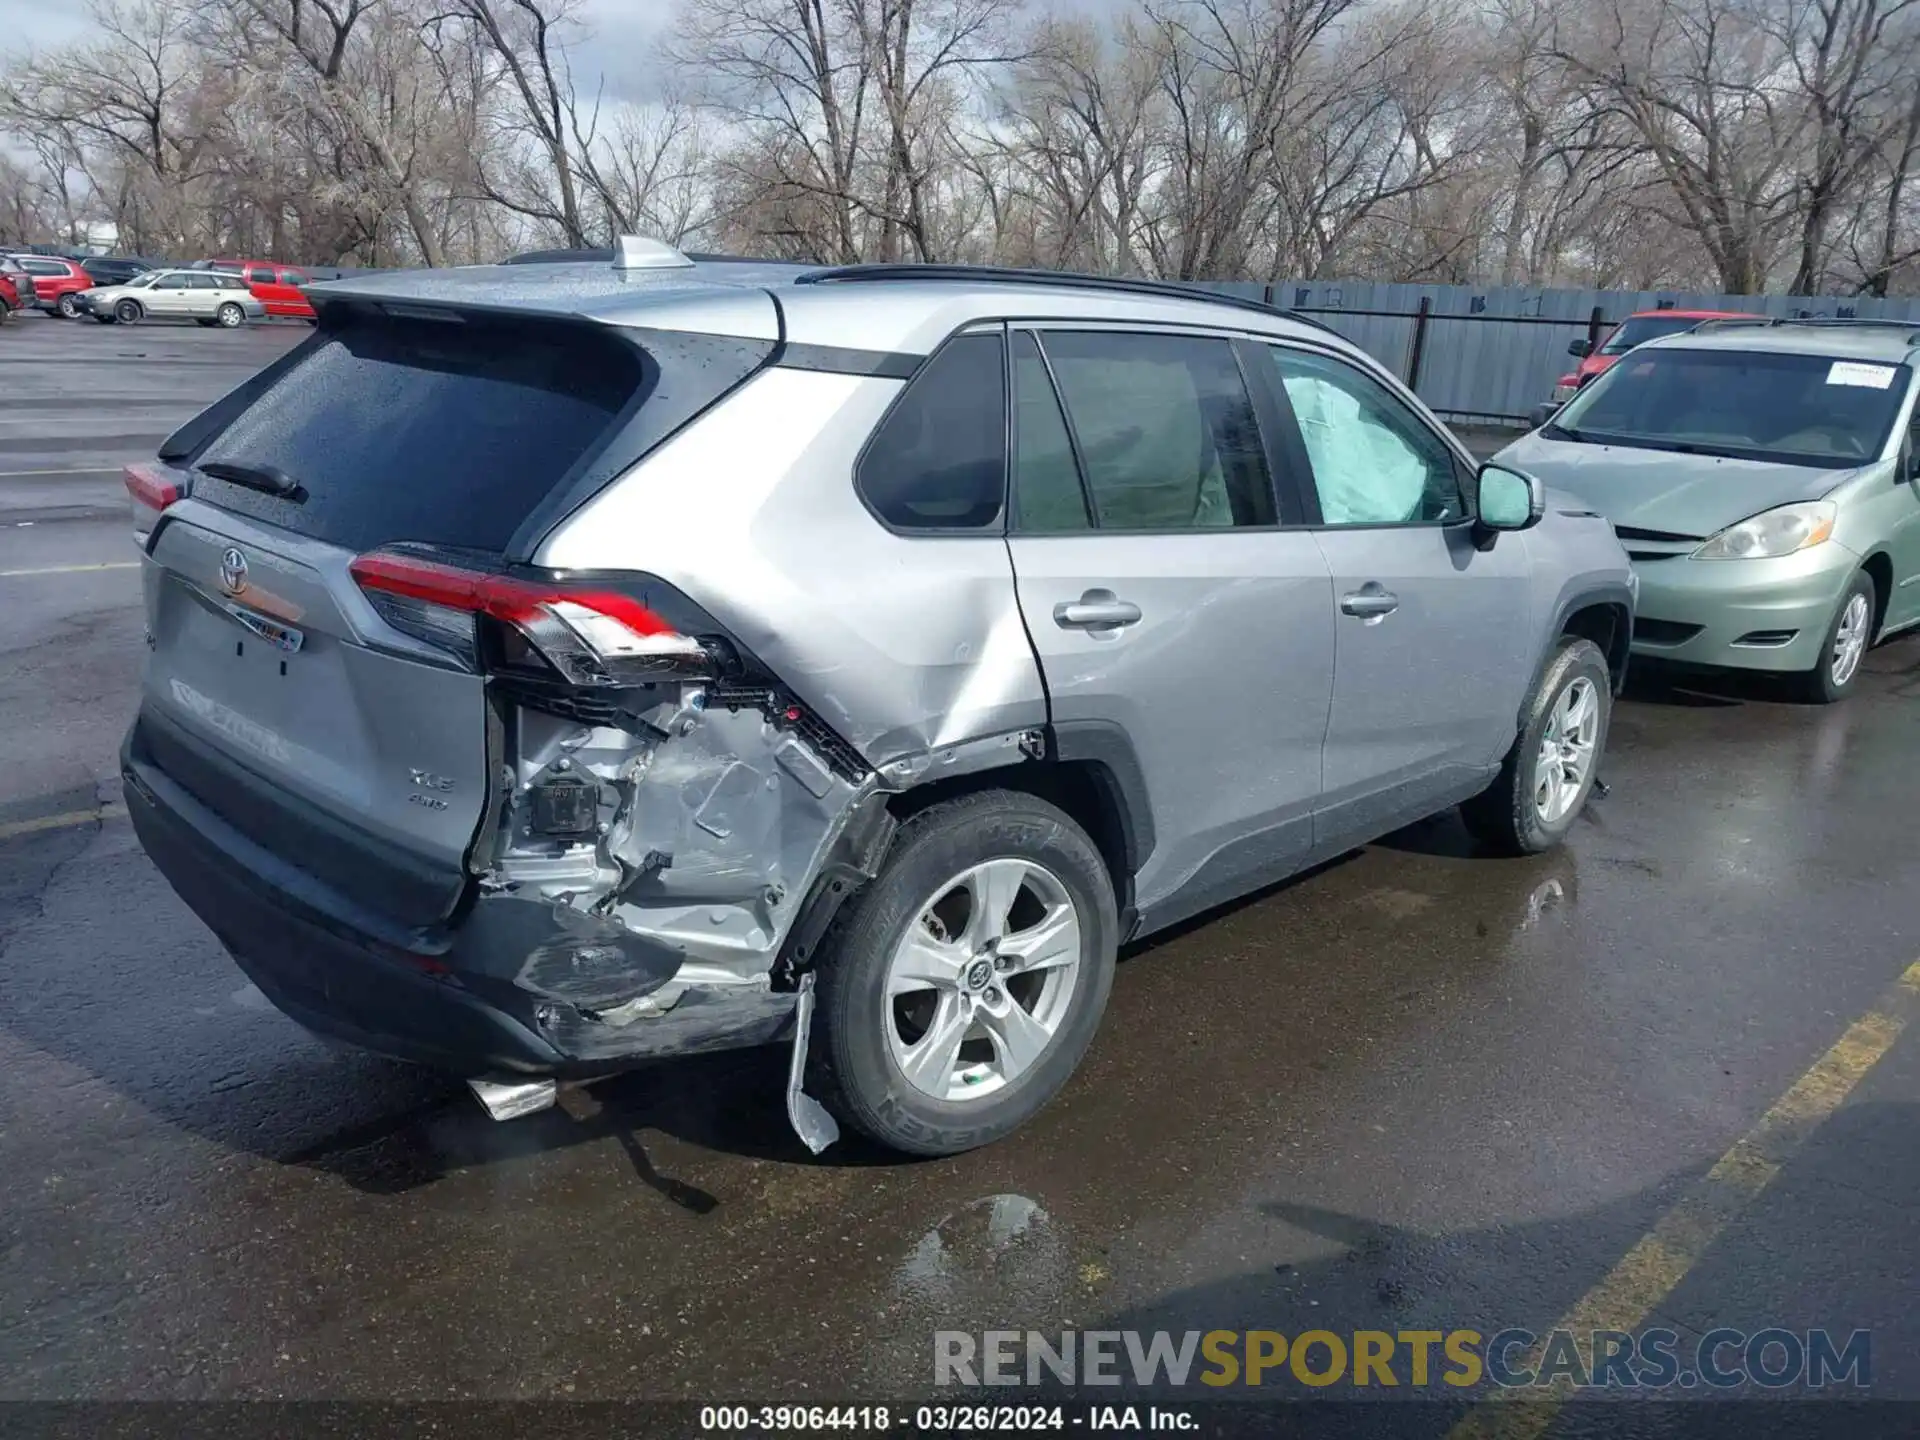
{"x": 233, "y": 571}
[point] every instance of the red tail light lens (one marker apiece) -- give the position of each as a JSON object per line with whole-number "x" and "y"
{"x": 591, "y": 635}
{"x": 148, "y": 488}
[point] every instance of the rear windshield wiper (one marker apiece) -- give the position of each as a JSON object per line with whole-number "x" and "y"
{"x": 268, "y": 479}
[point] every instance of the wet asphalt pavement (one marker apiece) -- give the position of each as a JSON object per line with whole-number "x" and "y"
{"x": 1414, "y": 1089}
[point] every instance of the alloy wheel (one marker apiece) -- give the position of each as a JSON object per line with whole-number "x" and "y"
{"x": 1565, "y": 763}
{"x": 1850, "y": 640}
{"x": 982, "y": 981}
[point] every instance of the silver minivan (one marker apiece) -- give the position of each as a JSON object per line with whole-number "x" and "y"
{"x": 560, "y": 666}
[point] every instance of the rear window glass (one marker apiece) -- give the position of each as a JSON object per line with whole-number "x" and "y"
{"x": 456, "y": 434}
{"x": 938, "y": 461}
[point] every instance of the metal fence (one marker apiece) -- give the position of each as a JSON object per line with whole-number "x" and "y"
{"x": 1489, "y": 355}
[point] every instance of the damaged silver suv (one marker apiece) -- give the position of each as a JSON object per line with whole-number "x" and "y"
{"x": 562, "y": 666}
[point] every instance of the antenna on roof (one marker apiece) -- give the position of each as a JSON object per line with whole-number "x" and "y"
{"x": 642, "y": 252}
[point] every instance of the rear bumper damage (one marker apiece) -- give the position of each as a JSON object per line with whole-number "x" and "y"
{"x": 714, "y": 842}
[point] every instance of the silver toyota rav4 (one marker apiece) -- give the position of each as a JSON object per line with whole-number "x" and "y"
{"x": 562, "y": 666}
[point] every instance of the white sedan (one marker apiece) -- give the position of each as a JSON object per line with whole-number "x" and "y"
{"x": 211, "y": 297}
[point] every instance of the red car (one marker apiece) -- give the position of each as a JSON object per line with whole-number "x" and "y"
{"x": 9, "y": 295}
{"x": 55, "y": 282}
{"x": 276, "y": 286}
{"x": 1636, "y": 329}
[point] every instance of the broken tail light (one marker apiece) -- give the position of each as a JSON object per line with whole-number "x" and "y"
{"x": 590, "y": 634}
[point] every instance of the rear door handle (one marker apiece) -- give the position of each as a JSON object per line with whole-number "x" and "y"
{"x": 1370, "y": 602}
{"x": 1097, "y": 610}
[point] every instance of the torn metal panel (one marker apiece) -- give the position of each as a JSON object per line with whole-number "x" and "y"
{"x": 646, "y": 872}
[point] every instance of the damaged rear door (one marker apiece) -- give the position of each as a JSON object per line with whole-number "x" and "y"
{"x": 1169, "y": 608}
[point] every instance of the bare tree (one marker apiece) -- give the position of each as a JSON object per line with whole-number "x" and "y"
{"x": 1701, "y": 83}
{"x": 1079, "y": 124}
{"x": 320, "y": 36}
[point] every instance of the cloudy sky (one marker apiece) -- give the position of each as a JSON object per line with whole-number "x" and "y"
{"x": 625, "y": 39}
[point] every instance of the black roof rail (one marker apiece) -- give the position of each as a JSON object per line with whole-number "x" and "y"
{"x": 1065, "y": 279}
{"x": 556, "y": 257}
{"x": 1729, "y": 322}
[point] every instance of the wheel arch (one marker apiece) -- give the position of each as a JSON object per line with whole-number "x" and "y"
{"x": 1602, "y": 614}
{"x": 1879, "y": 567}
{"x": 1090, "y": 770}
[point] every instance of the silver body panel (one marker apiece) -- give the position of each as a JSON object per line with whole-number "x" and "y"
{"x": 1265, "y": 724}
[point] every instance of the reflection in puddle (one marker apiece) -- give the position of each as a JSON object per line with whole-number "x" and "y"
{"x": 999, "y": 1246}
{"x": 1547, "y": 895}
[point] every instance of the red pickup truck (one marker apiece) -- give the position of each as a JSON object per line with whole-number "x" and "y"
{"x": 276, "y": 286}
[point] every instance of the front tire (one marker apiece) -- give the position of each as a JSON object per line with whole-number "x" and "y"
{"x": 66, "y": 307}
{"x": 230, "y": 316}
{"x": 960, "y": 989}
{"x": 1549, "y": 773}
{"x": 1849, "y": 635}
{"x": 128, "y": 312}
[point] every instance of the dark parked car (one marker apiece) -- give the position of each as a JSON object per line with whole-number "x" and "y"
{"x": 112, "y": 269}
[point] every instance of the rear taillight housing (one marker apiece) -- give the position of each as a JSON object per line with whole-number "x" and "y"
{"x": 591, "y": 633}
{"x": 150, "y": 488}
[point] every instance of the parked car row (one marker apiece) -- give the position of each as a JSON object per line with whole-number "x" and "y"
{"x": 226, "y": 292}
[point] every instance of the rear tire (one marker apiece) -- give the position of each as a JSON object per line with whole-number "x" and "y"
{"x": 230, "y": 316}
{"x": 128, "y": 312}
{"x": 66, "y": 307}
{"x": 1017, "y": 1032}
{"x": 1843, "y": 649}
{"x": 1510, "y": 815}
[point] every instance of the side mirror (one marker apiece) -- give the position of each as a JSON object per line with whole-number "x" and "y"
{"x": 1541, "y": 414}
{"x": 1579, "y": 349}
{"x": 1913, "y": 463}
{"x": 1509, "y": 499}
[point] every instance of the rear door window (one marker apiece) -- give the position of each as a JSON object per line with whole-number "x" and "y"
{"x": 457, "y": 434}
{"x": 260, "y": 275}
{"x": 1165, "y": 430}
{"x": 938, "y": 460}
{"x": 1048, "y": 498}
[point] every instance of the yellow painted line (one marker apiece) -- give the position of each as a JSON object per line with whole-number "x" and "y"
{"x": 1660, "y": 1259}
{"x": 63, "y": 821}
{"x": 71, "y": 569}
